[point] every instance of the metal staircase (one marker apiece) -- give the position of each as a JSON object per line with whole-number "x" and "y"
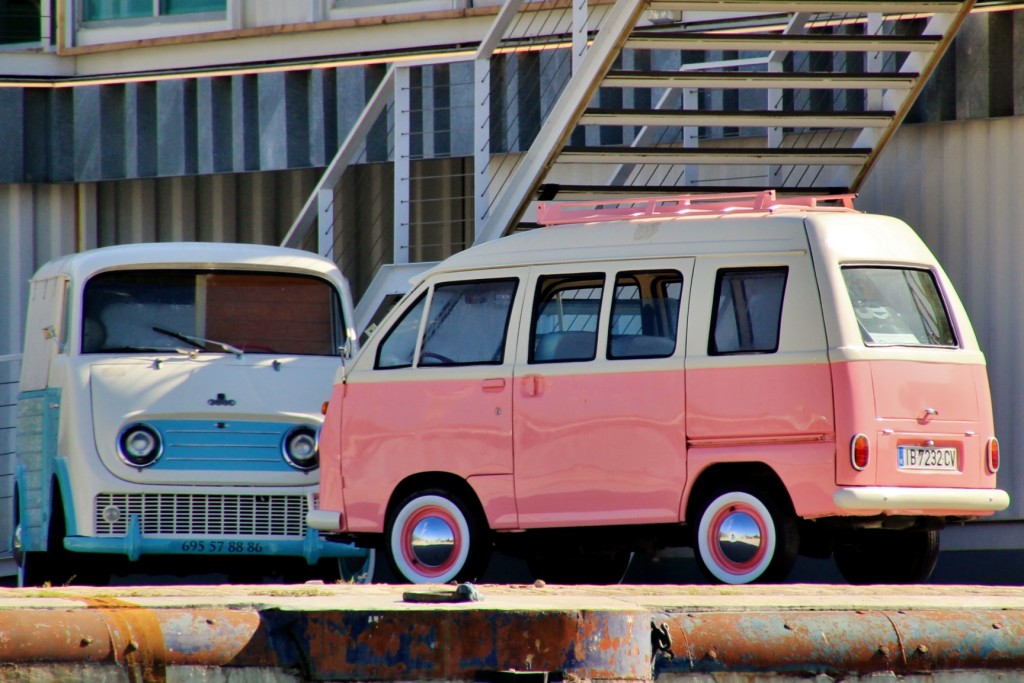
{"x": 791, "y": 95}
{"x": 671, "y": 96}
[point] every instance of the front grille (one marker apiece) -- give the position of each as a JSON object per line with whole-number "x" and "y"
{"x": 205, "y": 515}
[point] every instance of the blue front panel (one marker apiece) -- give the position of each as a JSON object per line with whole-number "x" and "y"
{"x": 222, "y": 445}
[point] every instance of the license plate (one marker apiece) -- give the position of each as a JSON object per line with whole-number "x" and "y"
{"x": 943, "y": 458}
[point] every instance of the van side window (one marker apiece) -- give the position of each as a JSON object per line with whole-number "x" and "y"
{"x": 645, "y": 313}
{"x": 398, "y": 348}
{"x": 565, "y": 316}
{"x": 748, "y": 311}
{"x": 468, "y": 323}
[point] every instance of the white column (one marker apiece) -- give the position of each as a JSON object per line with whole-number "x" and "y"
{"x": 402, "y": 165}
{"x": 481, "y": 141}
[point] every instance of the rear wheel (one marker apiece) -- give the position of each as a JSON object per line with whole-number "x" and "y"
{"x": 434, "y": 536}
{"x": 887, "y": 556}
{"x": 744, "y": 535}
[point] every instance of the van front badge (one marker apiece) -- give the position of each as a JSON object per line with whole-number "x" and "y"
{"x": 221, "y": 400}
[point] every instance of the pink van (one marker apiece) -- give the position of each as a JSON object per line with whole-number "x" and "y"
{"x": 751, "y": 376}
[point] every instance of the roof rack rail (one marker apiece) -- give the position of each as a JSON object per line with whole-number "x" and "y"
{"x": 563, "y": 213}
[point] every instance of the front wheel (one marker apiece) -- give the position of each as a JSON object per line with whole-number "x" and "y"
{"x": 887, "y": 556}
{"x": 744, "y": 535}
{"x": 433, "y": 536}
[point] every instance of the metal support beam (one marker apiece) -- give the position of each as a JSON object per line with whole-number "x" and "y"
{"x": 816, "y": 6}
{"x": 402, "y": 165}
{"x": 346, "y": 154}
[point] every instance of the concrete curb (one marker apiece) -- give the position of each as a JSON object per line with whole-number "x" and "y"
{"x": 624, "y": 633}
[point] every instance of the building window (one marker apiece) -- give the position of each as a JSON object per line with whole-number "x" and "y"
{"x": 104, "y": 10}
{"x": 19, "y": 21}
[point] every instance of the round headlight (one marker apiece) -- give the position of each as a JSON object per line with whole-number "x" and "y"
{"x": 300, "y": 448}
{"x": 139, "y": 445}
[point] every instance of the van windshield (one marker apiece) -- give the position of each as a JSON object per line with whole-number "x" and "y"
{"x": 210, "y": 311}
{"x": 898, "y": 307}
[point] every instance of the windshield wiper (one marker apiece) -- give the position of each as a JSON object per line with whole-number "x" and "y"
{"x": 199, "y": 342}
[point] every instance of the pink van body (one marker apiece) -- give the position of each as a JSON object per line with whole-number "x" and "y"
{"x": 677, "y": 447}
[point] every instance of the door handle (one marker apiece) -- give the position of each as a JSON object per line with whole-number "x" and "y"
{"x": 494, "y": 384}
{"x": 533, "y": 385}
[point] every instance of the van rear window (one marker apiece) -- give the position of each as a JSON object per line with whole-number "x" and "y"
{"x": 898, "y": 307}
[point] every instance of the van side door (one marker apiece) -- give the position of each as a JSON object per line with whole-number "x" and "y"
{"x": 758, "y": 379}
{"x": 431, "y": 393}
{"x": 599, "y": 394}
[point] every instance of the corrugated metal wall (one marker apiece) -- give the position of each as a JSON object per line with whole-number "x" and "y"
{"x": 961, "y": 185}
{"x": 41, "y": 222}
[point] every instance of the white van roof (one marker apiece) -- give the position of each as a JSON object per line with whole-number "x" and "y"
{"x": 187, "y": 254}
{"x": 727, "y": 224}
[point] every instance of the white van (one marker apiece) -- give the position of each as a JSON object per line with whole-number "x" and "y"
{"x": 169, "y": 401}
{"x": 750, "y": 376}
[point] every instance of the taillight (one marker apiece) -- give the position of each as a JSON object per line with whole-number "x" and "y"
{"x": 860, "y": 452}
{"x": 323, "y": 407}
{"x": 992, "y": 454}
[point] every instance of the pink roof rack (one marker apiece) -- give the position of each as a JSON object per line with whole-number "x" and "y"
{"x": 562, "y": 213}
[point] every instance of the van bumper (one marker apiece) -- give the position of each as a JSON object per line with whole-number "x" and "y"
{"x": 324, "y": 520}
{"x": 312, "y": 547}
{"x": 902, "y": 498}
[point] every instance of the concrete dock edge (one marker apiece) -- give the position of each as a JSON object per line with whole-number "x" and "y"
{"x": 541, "y": 633}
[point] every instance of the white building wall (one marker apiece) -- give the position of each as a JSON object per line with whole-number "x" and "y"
{"x": 961, "y": 185}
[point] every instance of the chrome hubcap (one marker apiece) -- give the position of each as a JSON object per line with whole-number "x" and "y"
{"x": 433, "y": 541}
{"x": 739, "y": 537}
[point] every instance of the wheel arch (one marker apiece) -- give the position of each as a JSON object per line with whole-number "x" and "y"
{"x": 719, "y": 475}
{"x": 439, "y": 480}
{"x": 55, "y": 495}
